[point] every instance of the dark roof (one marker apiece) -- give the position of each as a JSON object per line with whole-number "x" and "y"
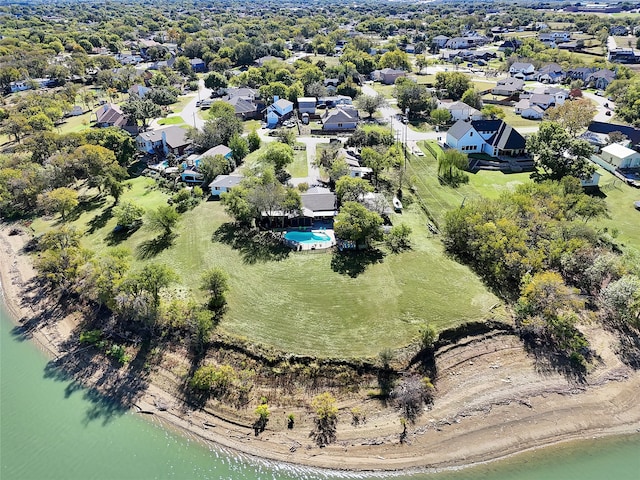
{"x": 242, "y": 105}
{"x": 631, "y": 133}
{"x": 111, "y": 114}
{"x": 486, "y": 125}
{"x": 507, "y": 138}
{"x": 319, "y": 202}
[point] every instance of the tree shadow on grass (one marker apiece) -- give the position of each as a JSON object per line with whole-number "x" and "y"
{"x": 119, "y": 235}
{"x": 99, "y": 221}
{"x": 87, "y": 205}
{"x": 152, "y": 248}
{"x": 354, "y": 263}
{"x": 254, "y": 245}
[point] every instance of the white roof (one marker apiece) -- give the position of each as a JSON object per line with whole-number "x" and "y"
{"x": 306, "y": 99}
{"x": 619, "y": 151}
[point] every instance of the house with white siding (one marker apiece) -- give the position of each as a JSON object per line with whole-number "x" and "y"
{"x": 492, "y": 137}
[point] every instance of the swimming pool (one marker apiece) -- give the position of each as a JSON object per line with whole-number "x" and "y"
{"x": 310, "y": 240}
{"x": 307, "y": 237}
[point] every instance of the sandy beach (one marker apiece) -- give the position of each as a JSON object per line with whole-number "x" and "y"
{"x": 493, "y": 399}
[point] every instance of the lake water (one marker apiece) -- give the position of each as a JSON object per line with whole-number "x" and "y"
{"x": 50, "y": 429}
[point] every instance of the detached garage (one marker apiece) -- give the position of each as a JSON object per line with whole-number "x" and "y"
{"x": 620, "y": 157}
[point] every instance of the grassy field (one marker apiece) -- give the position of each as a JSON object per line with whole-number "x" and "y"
{"x": 75, "y": 124}
{"x": 175, "y": 120}
{"x": 320, "y": 303}
{"x": 299, "y": 168}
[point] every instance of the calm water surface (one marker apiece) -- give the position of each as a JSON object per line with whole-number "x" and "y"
{"x": 52, "y": 430}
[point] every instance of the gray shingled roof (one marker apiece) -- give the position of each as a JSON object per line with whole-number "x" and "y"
{"x": 459, "y": 129}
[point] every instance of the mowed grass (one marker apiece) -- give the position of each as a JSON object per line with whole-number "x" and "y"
{"x": 175, "y": 120}
{"x": 301, "y": 303}
{"x": 299, "y": 168}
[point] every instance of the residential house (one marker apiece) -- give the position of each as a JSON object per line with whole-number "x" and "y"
{"x": 171, "y": 139}
{"x": 592, "y": 181}
{"x": 618, "y": 30}
{"x": 523, "y": 71}
{"x": 468, "y": 41}
{"x": 553, "y": 39}
{"x": 110, "y": 115}
{"x": 508, "y": 86}
{"x": 542, "y": 100}
{"x": 224, "y": 183}
{"x": 331, "y": 84}
{"x": 307, "y": 105}
{"x": 439, "y": 41}
{"x": 581, "y": 73}
{"x": 492, "y": 137}
{"x": 245, "y": 109}
{"x": 218, "y": 150}
{"x": 460, "y": 111}
{"x": 603, "y": 128}
{"x": 139, "y": 90}
{"x": 532, "y": 112}
{"x": 198, "y": 65}
{"x": 601, "y": 79}
{"x": 334, "y": 101}
{"x": 551, "y": 73}
{"x": 512, "y": 45}
{"x": 281, "y": 109}
{"x": 388, "y": 76}
{"x": 192, "y": 177}
{"x": 160, "y": 64}
{"x": 620, "y": 157}
{"x": 343, "y": 117}
{"x": 75, "y": 111}
{"x": 319, "y": 204}
{"x": 267, "y": 58}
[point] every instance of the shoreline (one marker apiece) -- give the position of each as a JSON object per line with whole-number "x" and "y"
{"x": 503, "y": 406}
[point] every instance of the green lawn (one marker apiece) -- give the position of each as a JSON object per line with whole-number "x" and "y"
{"x": 251, "y": 125}
{"x": 624, "y": 217}
{"x": 302, "y": 302}
{"x": 75, "y": 124}
{"x": 175, "y": 120}
{"x": 299, "y": 168}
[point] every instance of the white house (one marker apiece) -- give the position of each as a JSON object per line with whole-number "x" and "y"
{"x": 592, "y": 181}
{"x": 493, "y": 137}
{"x": 532, "y": 112}
{"x": 542, "y": 100}
{"x": 439, "y": 41}
{"x": 620, "y": 157}
{"x": 223, "y": 183}
{"x": 523, "y": 71}
{"x": 163, "y": 141}
{"x": 461, "y": 111}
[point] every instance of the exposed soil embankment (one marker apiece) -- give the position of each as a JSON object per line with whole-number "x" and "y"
{"x": 492, "y": 399}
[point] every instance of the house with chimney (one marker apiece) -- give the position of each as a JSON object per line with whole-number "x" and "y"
{"x": 162, "y": 142}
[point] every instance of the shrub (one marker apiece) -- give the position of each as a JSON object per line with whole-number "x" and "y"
{"x": 213, "y": 378}
{"x": 90, "y": 336}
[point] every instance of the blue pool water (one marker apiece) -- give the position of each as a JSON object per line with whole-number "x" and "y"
{"x": 306, "y": 237}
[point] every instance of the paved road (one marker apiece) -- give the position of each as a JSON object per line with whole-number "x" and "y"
{"x": 190, "y": 111}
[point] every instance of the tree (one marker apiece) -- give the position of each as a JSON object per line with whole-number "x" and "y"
{"x": 236, "y": 205}
{"x": 128, "y": 214}
{"x": 215, "y": 81}
{"x": 472, "y": 98}
{"x": 182, "y": 65}
{"x": 61, "y": 200}
{"x": 621, "y": 300}
{"x": 411, "y": 394}
{"x": 16, "y": 125}
{"x": 451, "y": 164}
{"x": 573, "y": 116}
{"x": 215, "y": 282}
{"x": 413, "y": 96}
{"x": 398, "y": 238}
{"x": 277, "y": 154}
{"x": 455, "y": 83}
{"x": 440, "y": 116}
{"x": 492, "y": 111}
{"x": 154, "y": 277}
{"x": 326, "y": 410}
{"x": 253, "y": 141}
{"x": 218, "y": 130}
{"x": 370, "y": 103}
{"x": 375, "y": 160}
{"x": 558, "y": 155}
{"x": 141, "y": 109}
{"x": 356, "y": 223}
{"x": 163, "y": 219}
{"x": 351, "y": 189}
{"x": 396, "y": 59}
{"x": 239, "y": 148}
